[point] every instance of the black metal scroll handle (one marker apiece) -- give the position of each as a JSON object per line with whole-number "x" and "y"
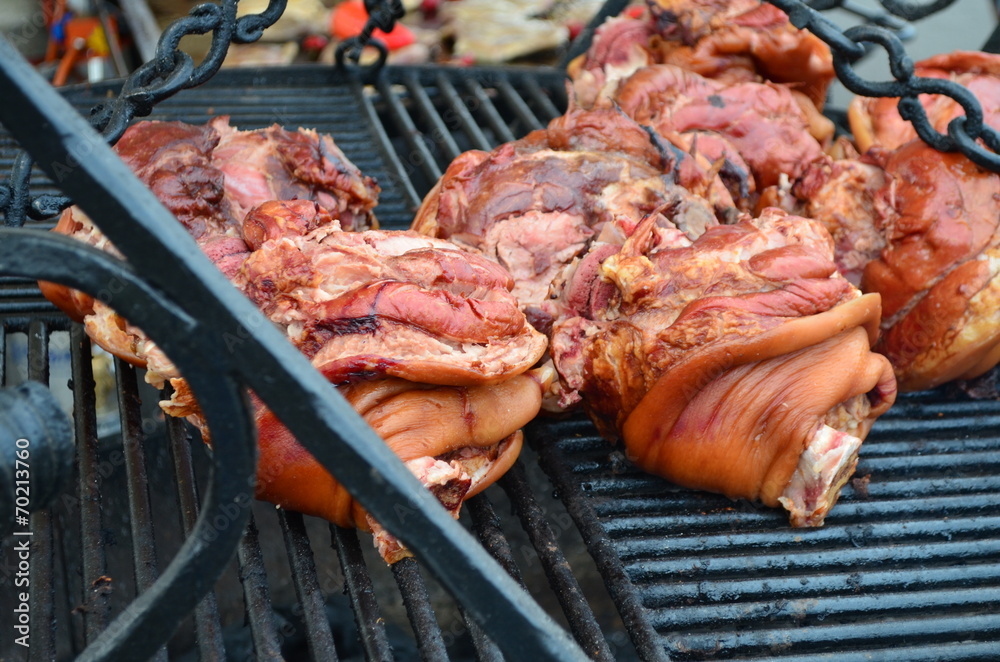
{"x": 381, "y": 15}
{"x": 964, "y": 132}
{"x": 244, "y": 346}
{"x": 150, "y": 620}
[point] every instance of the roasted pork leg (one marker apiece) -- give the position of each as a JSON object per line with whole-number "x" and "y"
{"x": 738, "y": 363}
{"x": 421, "y": 336}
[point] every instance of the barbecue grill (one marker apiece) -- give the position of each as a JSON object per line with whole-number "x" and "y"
{"x": 632, "y": 567}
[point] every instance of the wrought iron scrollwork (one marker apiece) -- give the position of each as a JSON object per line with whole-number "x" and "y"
{"x": 964, "y": 132}
{"x": 170, "y": 71}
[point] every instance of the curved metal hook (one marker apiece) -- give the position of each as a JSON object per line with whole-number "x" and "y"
{"x": 144, "y": 626}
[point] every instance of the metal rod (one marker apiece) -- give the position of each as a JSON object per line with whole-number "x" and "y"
{"x": 42, "y": 572}
{"x": 582, "y": 621}
{"x": 94, "y": 580}
{"x": 140, "y": 512}
{"x": 489, "y": 111}
{"x": 207, "y": 625}
{"x": 456, "y": 105}
{"x": 441, "y": 134}
{"x": 645, "y": 638}
{"x": 256, "y": 598}
{"x": 541, "y": 99}
{"x": 518, "y": 106}
{"x": 361, "y": 593}
{"x": 307, "y": 589}
{"x": 486, "y": 524}
{"x": 420, "y": 154}
{"x": 430, "y": 641}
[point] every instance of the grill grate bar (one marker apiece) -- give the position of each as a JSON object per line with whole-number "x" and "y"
{"x": 835, "y": 528}
{"x": 646, "y": 640}
{"x": 440, "y": 135}
{"x": 761, "y": 544}
{"x": 208, "y": 627}
{"x": 486, "y": 525}
{"x": 581, "y": 617}
{"x": 398, "y": 177}
{"x": 456, "y": 104}
{"x": 542, "y": 100}
{"x": 892, "y": 491}
{"x": 307, "y": 589}
{"x": 493, "y": 118}
{"x": 889, "y": 633}
{"x": 140, "y": 519}
{"x": 813, "y": 561}
{"x": 797, "y": 611}
{"x": 517, "y": 104}
{"x": 966, "y": 651}
{"x": 94, "y": 594}
{"x": 257, "y": 600}
{"x": 430, "y": 641}
{"x": 367, "y": 614}
{"x": 486, "y": 649}
{"x": 670, "y": 593}
{"x": 929, "y": 429}
{"x": 42, "y": 602}
{"x": 42, "y": 543}
{"x": 413, "y": 137}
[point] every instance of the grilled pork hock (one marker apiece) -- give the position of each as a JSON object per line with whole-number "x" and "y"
{"x": 209, "y": 176}
{"x": 652, "y": 322}
{"x": 760, "y": 124}
{"x": 739, "y": 362}
{"x": 732, "y": 42}
{"x": 423, "y": 338}
{"x": 536, "y": 204}
{"x": 920, "y": 228}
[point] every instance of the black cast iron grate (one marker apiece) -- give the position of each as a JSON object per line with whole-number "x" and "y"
{"x": 905, "y": 568}
{"x": 136, "y": 492}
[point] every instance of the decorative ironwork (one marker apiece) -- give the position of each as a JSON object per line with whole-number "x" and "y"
{"x": 848, "y": 47}
{"x": 170, "y": 71}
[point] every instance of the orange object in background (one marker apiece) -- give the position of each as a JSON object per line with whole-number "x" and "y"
{"x": 83, "y": 38}
{"x": 349, "y": 18}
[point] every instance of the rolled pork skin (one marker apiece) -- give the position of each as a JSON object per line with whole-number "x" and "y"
{"x": 737, "y": 416}
{"x": 416, "y": 422}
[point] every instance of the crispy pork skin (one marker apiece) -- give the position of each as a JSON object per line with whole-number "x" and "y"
{"x": 620, "y": 47}
{"x": 721, "y": 362}
{"x": 938, "y": 272}
{"x": 738, "y": 41}
{"x": 844, "y": 196}
{"x": 937, "y": 218}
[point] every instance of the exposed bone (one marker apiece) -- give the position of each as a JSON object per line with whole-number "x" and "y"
{"x": 827, "y": 463}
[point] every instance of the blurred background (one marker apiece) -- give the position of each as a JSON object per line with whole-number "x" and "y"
{"x": 73, "y": 41}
